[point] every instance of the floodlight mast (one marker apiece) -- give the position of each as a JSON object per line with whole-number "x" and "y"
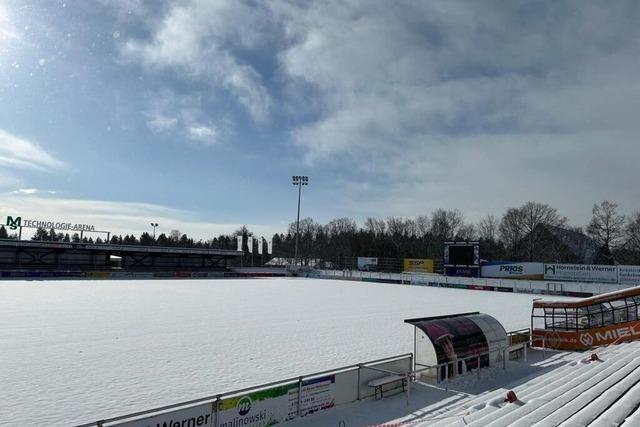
{"x": 298, "y": 180}
{"x": 154, "y": 225}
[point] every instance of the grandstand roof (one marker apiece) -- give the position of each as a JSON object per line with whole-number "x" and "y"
{"x": 115, "y": 248}
{"x": 596, "y": 299}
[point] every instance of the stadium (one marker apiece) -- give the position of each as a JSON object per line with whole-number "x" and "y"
{"x": 487, "y": 341}
{"x": 240, "y": 213}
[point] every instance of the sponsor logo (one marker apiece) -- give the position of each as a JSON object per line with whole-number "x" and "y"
{"x": 552, "y": 340}
{"x": 14, "y": 223}
{"x": 614, "y": 334}
{"x": 549, "y": 268}
{"x": 586, "y": 339}
{"x": 244, "y": 405}
{"x": 515, "y": 269}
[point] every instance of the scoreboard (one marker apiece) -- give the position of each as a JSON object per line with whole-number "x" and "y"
{"x": 462, "y": 258}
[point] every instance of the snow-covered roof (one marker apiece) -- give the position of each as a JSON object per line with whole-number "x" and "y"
{"x": 596, "y": 299}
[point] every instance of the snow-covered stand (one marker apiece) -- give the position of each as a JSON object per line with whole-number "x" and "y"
{"x": 452, "y": 345}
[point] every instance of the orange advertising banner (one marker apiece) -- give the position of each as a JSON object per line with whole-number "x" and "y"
{"x": 585, "y": 339}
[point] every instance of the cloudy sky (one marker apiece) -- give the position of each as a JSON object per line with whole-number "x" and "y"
{"x": 196, "y": 113}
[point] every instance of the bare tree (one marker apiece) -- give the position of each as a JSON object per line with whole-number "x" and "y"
{"x": 488, "y": 228}
{"x": 423, "y": 225}
{"x": 606, "y": 227}
{"x": 174, "y": 236}
{"x": 466, "y": 232}
{"x": 633, "y": 232}
{"x": 345, "y": 226}
{"x": 445, "y": 224}
{"x": 536, "y": 217}
{"x": 511, "y": 230}
{"x": 375, "y": 226}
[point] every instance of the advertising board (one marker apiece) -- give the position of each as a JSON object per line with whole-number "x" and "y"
{"x": 581, "y": 273}
{"x": 278, "y": 404}
{"x": 521, "y": 270}
{"x": 367, "y": 263}
{"x": 629, "y": 275}
{"x": 418, "y": 265}
{"x": 583, "y": 340}
{"x": 462, "y": 271}
{"x": 196, "y": 416}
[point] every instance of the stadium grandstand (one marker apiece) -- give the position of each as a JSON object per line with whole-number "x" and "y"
{"x": 24, "y": 257}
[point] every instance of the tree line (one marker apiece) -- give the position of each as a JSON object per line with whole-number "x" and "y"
{"x": 534, "y": 232}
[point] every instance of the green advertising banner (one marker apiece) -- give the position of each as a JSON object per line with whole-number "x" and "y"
{"x": 272, "y": 406}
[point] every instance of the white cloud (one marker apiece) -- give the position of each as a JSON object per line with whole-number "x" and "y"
{"x": 203, "y": 133}
{"x": 162, "y": 123}
{"x": 458, "y": 104}
{"x": 454, "y": 103}
{"x": 19, "y": 153}
{"x": 25, "y": 191}
{"x": 199, "y": 37}
{"x": 120, "y": 217}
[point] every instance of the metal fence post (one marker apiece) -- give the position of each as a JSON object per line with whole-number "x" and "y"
{"x": 504, "y": 359}
{"x": 215, "y": 418}
{"x": 359, "y": 366}
{"x": 299, "y": 393}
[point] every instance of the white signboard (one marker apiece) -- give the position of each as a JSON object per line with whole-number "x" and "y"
{"x": 196, "y": 416}
{"x": 270, "y": 246}
{"x": 581, "y": 273}
{"x": 629, "y": 274}
{"x": 367, "y": 263}
{"x": 259, "y": 245}
{"x": 520, "y": 270}
{"x": 250, "y": 244}
{"x": 239, "y": 243}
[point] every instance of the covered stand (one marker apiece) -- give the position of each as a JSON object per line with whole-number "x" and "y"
{"x": 447, "y": 346}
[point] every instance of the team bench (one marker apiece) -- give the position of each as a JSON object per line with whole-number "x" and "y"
{"x": 378, "y": 383}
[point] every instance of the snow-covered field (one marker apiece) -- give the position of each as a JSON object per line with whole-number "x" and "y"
{"x": 78, "y": 351}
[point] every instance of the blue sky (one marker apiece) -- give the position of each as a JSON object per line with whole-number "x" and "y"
{"x": 196, "y": 113}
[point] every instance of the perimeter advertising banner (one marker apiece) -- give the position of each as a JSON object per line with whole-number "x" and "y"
{"x": 584, "y": 340}
{"x": 417, "y": 265}
{"x": 581, "y": 273}
{"x": 275, "y": 405}
{"x": 629, "y": 275}
{"x": 521, "y": 270}
{"x": 367, "y": 263}
{"x": 196, "y": 416}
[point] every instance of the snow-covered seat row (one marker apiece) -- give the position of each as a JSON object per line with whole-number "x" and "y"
{"x": 602, "y": 392}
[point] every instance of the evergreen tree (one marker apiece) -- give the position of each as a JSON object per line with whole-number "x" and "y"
{"x": 40, "y": 234}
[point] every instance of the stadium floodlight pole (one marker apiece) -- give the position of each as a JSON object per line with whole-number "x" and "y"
{"x": 154, "y": 225}
{"x": 298, "y": 180}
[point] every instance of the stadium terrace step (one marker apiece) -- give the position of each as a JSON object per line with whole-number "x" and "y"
{"x": 620, "y": 410}
{"x": 599, "y": 403}
{"x": 601, "y": 376}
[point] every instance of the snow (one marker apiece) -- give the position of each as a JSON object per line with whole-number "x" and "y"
{"x": 78, "y": 351}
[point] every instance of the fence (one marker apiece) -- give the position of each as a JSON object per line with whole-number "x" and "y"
{"x": 280, "y": 400}
{"x": 578, "y": 289}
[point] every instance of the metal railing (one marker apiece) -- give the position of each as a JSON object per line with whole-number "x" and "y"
{"x": 217, "y": 398}
{"x": 454, "y": 365}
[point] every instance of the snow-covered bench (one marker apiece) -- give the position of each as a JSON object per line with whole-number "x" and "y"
{"x": 378, "y": 383}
